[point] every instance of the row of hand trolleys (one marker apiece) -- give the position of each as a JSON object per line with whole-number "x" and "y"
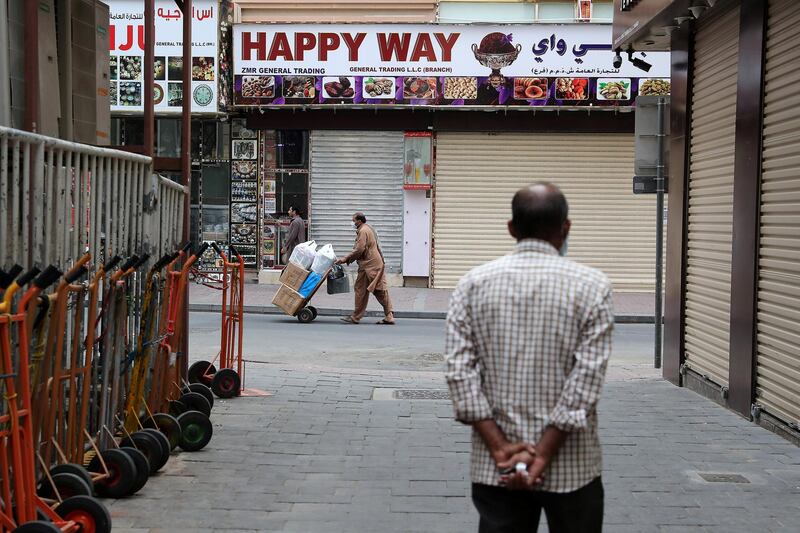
{"x": 92, "y": 398}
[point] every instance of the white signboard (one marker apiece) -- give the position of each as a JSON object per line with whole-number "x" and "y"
{"x": 127, "y": 56}
{"x": 442, "y": 50}
{"x": 532, "y": 64}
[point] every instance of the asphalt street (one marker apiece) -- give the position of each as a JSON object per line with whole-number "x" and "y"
{"x": 409, "y": 345}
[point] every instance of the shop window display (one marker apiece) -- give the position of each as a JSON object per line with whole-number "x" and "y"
{"x": 244, "y": 192}
{"x": 284, "y": 184}
{"x": 215, "y": 202}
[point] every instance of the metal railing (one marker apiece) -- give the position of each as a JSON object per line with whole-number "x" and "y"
{"x": 59, "y": 199}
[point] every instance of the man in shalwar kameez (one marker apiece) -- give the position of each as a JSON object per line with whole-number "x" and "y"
{"x": 371, "y": 272}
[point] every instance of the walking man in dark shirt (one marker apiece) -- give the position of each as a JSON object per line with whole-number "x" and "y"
{"x": 528, "y": 341}
{"x": 295, "y": 235}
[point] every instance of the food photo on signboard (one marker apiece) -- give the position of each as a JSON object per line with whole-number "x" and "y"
{"x": 464, "y": 88}
{"x": 380, "y": 88}
{"x": 253, "y": 90}
{"x": 339, "y": 88}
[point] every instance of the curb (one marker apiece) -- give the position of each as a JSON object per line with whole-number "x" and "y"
{"x": 431, "y": 315}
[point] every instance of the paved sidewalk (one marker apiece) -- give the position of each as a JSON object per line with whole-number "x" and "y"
{"x": 322, "y": 456}
{"x": 408, "y": 302}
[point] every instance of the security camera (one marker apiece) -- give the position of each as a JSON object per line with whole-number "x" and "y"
{"x": 641, "y": 64}
{"x": 617, "y": 60}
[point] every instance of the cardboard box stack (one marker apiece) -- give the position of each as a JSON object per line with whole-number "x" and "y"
{"x": 293, "y": 276}
{"x": 306, "y": 264}
{"x": 287, "y": 298}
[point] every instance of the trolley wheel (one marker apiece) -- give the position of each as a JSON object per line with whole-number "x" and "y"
{"x": 90, "y": 514}
{"x": 196, "y": 430}
{"x": 314, "y": 311}
{"x": 163, "y": 441}
{"x": 199, "y": 388}
{"x": 149, "y": 446}
{"x": 168, "y": 425}
{"x": 305, "y": 315}
{"x": 67, "y": 485}
{"x": 226, "y": 383}
{"x": 177, "y": 407}
{"x": 39, "y": 526}
{"x": 121, "y": 473}
{"x": 72, "y": 468}
{"x": 200, "y": 372}
{"x": 142, "y": 468}
{"x": 196, "y": 402}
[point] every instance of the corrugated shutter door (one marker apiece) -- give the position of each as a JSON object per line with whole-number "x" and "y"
{"x": 713, "y": 126}
{"x": 778, "y": 364}
{"x": 358, "y": 171}
{"x": 478, "y": 173}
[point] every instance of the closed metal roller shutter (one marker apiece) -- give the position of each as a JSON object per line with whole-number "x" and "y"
{"x": 713, "y": 126}
{"x": 478, "y": 173}
{"x": 778, "y": 364}
{"x": 358, "y": 171}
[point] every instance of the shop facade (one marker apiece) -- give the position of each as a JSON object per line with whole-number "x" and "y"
{"x": 733, "y": 267}
{"x": 430, "y": 129}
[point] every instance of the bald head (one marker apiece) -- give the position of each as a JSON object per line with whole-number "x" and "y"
{"x": 540, "y": 212}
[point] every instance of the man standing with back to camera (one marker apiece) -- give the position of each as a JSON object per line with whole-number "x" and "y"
{"x": 528, "y": 342}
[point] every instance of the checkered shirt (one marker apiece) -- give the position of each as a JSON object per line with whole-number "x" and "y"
{"x": 528, "y": 342}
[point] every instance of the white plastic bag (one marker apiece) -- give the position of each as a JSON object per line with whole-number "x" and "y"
{"x": 304, "y": 254}
{"x": 324, "y": 260}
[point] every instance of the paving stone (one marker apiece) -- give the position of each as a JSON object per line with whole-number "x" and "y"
{"x": 306, "y": 459}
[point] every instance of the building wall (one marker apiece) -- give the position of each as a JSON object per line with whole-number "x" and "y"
{"x": 340, "y": 11}
{"x": 71, "y": 71}
{"x": 16, "y": 52}
{"x": 521, "y": 11}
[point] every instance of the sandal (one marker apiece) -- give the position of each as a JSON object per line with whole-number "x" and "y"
{"x": 348, "y": 320}
{"x": 386, "y": 322}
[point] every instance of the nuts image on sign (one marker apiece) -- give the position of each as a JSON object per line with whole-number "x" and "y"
{"x": 379, "y": 88}
{"x": 655, "y": 88}
{"x": 258, "y": 86}
{"x": 613, "y": 89}
{"x": 461, "y": 88}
